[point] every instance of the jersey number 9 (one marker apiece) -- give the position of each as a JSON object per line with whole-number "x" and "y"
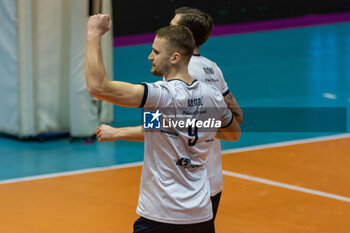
{"x": 192, "y": 133}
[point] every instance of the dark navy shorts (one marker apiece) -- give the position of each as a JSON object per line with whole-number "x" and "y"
{"x": 144, "y": 225}
{"x": 215, "y": 200}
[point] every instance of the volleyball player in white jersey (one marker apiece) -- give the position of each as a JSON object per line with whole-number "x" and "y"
{"x": 174, "y": 191}
{"x": 205, "y": 70}
{"x": 202, "y": 69}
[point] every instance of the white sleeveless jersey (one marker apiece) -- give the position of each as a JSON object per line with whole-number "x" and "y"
{"x": 174, "y": 184}
{"x": 207, "y": 71}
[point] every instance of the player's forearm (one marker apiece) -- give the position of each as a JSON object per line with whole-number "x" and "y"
{"x": 95, "y": 72}
{"x": 116, "y": 92}
{"x": 233, "y": 106}
{"x": 237, "y": 112}
{"x": 107, "y": 133}
{"x": 228, "y": 136}
{"x": 131, "y": 133}
{"x": 230, "y": 133}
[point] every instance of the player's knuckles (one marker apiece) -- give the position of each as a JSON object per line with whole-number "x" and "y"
{"x": 105, "y": 16}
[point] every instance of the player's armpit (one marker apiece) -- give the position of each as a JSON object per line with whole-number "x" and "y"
{"x": 232, "y": 104}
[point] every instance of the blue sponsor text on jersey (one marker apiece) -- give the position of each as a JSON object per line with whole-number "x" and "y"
{"x": 187, "y": 164}
{"x": 208, "y": 70}
{"x": 194, "y": 102}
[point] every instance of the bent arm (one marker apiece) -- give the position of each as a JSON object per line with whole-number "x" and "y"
{"x": 119, "y": 93}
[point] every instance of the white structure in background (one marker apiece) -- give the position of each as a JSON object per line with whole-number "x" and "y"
{"x": 42, "y": 68}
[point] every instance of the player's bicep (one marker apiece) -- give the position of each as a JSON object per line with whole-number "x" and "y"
{"x": 122, "y": 94}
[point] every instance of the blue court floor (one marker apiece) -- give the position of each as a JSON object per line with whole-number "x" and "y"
{"x": 301, "y": 67}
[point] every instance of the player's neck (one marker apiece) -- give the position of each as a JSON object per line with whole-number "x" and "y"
{"x": 196, "y": 50}
{"x": 181, "y": 74}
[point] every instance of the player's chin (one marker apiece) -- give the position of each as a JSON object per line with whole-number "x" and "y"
{"x": 156, "y": 72}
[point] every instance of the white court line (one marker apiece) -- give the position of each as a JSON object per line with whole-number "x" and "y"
{"x": 249, "y": 148}
{"x": 69, "y": 173}
{"x": 286, "y": 186}
{"x": 287, "y": 143}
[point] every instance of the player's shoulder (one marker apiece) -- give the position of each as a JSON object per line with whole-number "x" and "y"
{"x": 157, "y": 84}
{"x": 197, "y": 58}
{"x": 211, "y": 90}
{"x": 175, "y": 85}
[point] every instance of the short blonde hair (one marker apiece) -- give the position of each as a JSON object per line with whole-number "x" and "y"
{"x": 180, "y": 39}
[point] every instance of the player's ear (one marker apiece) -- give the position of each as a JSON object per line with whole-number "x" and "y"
{"x": 175, "y": 58}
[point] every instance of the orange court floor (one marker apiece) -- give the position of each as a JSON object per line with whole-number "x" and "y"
{"x": 298, "y": 188}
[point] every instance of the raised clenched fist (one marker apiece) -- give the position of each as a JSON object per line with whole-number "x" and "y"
{"x": 99, "y": 24}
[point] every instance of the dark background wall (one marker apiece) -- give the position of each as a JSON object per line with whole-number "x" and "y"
{"x": 142, "y": 16}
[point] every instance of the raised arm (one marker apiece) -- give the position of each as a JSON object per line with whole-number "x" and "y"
{"x": 109, "y": 133}
{"x": 119, "y": 93}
